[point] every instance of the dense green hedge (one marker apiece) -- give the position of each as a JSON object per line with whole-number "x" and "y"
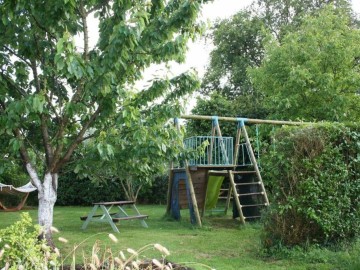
{"x": 75, "y": 191}
{"x": 313, "y": 177}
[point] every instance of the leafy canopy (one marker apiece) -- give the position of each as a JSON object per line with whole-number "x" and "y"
{"x": 54, "y": 94}
{"x": 314, "y": 73}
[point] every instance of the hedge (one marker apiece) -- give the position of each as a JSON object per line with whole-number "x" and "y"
{"x": 313, "y": 177}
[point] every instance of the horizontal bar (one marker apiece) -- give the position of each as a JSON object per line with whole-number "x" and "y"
{"x": 246, "y": 120}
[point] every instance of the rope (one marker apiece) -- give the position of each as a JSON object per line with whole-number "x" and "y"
{"x": 258, "y": 145}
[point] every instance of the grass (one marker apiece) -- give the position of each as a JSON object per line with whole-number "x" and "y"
{"x": 221, "y": 243}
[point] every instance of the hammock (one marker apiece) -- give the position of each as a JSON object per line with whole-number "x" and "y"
{"x": 22, "y": 191}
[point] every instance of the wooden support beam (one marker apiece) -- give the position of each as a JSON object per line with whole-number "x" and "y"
{"x": 192, "y": 195}
{"x": 236, "y": 197}
{"x": 246, "y": 120}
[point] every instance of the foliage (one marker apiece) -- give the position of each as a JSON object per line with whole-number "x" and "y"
{"x": 239, "y": 41}
{"x": 282, "y": 16}
{"x": 78, "y": 191}
{"x": 56, "y": 92}
{"x": 83, "y": 191}
{"x": 313, "y": 177}
{"x": 155, "y": 192}
{"x": 240, "y": 45}
{"x": 314, "y": 72}
{"x": 141, "y": 153}
{"x": 20, "y": 247}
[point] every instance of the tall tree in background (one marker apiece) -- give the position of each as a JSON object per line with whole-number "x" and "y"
{"x": 314, "y": 74}
{"x": 54, "y": 95}
{"x": 239, "y": 45}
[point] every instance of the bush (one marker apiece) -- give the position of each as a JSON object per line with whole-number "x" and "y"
{"x": 313, "y": 175}
{"x": 156, "y": 192}
{"x": 75, "y": 191}
{"x": 21, "y": 249}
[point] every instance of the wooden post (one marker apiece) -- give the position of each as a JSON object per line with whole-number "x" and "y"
{"x": 211, "y": 145}
{"x": 169, "y": 191}
{"x": 221, "y": 142}
{"x": 236, "y": 196}
{"x": 237, "y": 145}
{"x": 192, "y": 194}
{"x": 253, "y": 159}
{"x": 170, "y": 184}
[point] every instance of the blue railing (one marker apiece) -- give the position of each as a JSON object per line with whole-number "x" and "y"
{"x": 210, "y": 150}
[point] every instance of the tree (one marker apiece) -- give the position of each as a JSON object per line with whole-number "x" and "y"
{"x": 141, "y": 153}
{"x": 314, "y": 73}
{"x": 55, "y": 95}
{"x": 285, "y": 16}
{"x": 239, "y": 45}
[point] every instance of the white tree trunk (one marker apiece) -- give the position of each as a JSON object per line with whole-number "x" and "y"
{"x": 47, "y": 198}
{"x": 47, "y": 195}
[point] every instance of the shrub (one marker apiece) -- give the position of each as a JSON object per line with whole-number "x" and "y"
{"x": 313, "y": 175}
{"x": 76, "y": 191}
{"x": 155, "y": 192}
{"x": 21, "y": 249}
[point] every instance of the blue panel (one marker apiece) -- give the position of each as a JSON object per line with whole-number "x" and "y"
{"x": 175, "y": 206}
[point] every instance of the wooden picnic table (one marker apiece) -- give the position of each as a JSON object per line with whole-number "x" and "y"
{"x": 111, "y": 218}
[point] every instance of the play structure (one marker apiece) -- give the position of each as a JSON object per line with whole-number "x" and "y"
{"x": 21, "y": 192}
{"x": 215, "y": 160}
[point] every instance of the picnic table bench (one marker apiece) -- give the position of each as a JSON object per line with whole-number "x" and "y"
{"x": 117, "y": 216}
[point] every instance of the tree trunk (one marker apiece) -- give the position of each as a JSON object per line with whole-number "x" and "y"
{"x": 47, "y": 197}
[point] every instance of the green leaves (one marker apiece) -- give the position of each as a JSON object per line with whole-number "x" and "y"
{"x": 314, "y": 179}
{"x": 313, "y": 74}
{"x": 58, "y": 87}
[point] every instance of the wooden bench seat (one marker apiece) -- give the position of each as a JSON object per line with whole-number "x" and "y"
{"x": 129, "y": 218}
{"x": 85, "y": 217}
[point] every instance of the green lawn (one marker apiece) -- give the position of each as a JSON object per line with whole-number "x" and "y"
{"x": 222, "y": 243}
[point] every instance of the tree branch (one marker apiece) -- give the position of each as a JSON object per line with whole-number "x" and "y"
{"x": 9, "y": 81}
{"x": 58, "y": 163}
{"x": 36, "y": 77}
{"x": 35, "y": 180}
{"x": 83, "y": 15}
{"x": 42, "y": 27}
{"x": 17, "y": 55}
{"x": 46, "y": 140}
{"x": 106, "y": 2}
{"x": 44, "y": 127}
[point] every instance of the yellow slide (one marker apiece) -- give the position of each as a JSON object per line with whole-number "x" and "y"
{"x": 213, "y": 191}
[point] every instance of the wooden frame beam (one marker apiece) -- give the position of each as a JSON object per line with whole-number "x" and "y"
{"x": 246, "y": 120}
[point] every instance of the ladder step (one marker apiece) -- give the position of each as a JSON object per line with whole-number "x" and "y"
{"x": 243, "y": 172}
{"x": 250, "y": 183}
{"x": 249, "y": 194}
{"x": 253, "y": 205}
